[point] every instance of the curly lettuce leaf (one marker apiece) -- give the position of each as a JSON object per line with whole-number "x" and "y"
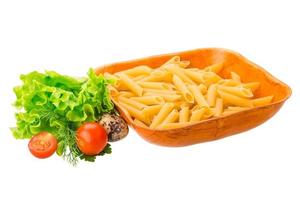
{"x": 52, "y": 102}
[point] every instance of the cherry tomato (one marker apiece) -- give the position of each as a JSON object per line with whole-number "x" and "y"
{"x": 91, "y": 138}
{"x": 42, "y": 145}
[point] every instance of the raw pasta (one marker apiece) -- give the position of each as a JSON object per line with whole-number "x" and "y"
{"x": 175, "y": 94}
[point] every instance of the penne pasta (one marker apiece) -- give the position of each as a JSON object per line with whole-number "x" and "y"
{"x": 229, "y": 112}
{"x": 210, "y": 78}
{"x": 132, "y": 103}
{"x": 165, "y": 110}
{"x": 253, "y": 86}
{"x": 195, "y": 107}
{"x": 155, "y": 85}
{"x": 131, "y": 85}
{"x": 175, "y": 70}
{"x": 238, "y": 91}
{"x": 172, "y": 117}
{"x": 229, "y": 82}
{"x": 197, "y": 114}
{"x": 208, "y": 113}
{"x": 184, "y": 63}
{"x": 194, "y": 69}
{"x": 175, "y": 95}
{"x": 235, "y": 76}
{"x": 184, "y": 114}
{"x": 216, "y": 68}
{"x": 149, "y": 100}
{"x": 179, "y": 84}
{"x": 211, "y": 95}
{"x": 157, "y": 91}
{"x": 139, "y": 123}
{"x": 113, "y": 91}
{"x": 235, "y": 100}
{"x": 138, "y": 78}
{"x": 176, "y": 125}
{"x": 166, "y": 97}
{"x": 150, "y": 111}
{"x": 203, "y": 88}
{"x": 236, "y": 108}
{"x": 135, "y": 113}
{"x": 173, "y": 60}
{"x": 117, "y": 81}
{"x": 196, "y": 76}
{"x": 199, "y": 98}
{"x": 219, "y": 107}
{"x": 159, "y": 75}
{"x": 139, "y": 70}
{"x": 125, "y": 94}
{"x": 262, "y": 101}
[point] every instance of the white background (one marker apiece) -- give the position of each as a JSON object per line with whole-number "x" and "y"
{"x": 71, "y": 36}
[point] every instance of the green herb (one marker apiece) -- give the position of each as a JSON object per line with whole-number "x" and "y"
{"x": 60, "y": 104}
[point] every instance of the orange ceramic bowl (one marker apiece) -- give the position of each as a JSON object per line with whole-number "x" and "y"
{"x": 214, "y": 128}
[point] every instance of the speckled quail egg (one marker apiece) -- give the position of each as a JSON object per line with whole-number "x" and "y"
{"x": 115, "y": 126}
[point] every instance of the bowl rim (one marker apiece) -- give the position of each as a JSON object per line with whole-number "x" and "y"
{"x": 251, "y": 63}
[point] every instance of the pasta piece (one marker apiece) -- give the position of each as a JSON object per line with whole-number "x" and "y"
{"x": 175, "y": 95}
{"x": 262, "y": 101}
{"x": 195, "y": 107}
{"x": 139, "y": 123}
{"x": 236, "y": 108}
{"x": 157, "y": 91}
{"x": 176, "y": 125}
{"x": 196, "y": 76}
{"x": 125, "y": 94}
{"x": 186, "y": 104}
{"x": 235, "y": 100}
{"x": 239, "y": 91}
{"x": 150, "y": 111}
{"x": 229, "y": 82}
{"x": 229, "y": 112}
{"x": 149, "y": 100}
{"x": 132, "y": 103}
{"x": 138, "y": 78}
{"x": 139, "y": 70}
{"x": 252, "y": 85}
{"x": 211, "y": 95}
{"x": 182, "y": 103}
{"x": 198, "y": 96}
{"x": 165, "y": 110}
{"x": 113, "y": 92}
{"x": 235, "y": 76}
{"x": 159, "y": 75}
{"x": 135, "y": 113}
{"x": 156, "y": 85}
{"x": 179, "y": 84}
{"x": 117, "y": 81}
{"x": 219, "y": 107}
{"x": 184, "y": 63}
{"x": 216, "y": 68}
{"x": 195, "y": 69}
{"x": 203, "y": 88}
{"x": 210, "y": 78}
{"x": 172, "y": 117}
{"x": 166, "y": 97}
{"x": 173, "y": 60}
{"x": 131, "y": 85}
{"x": 208, "y": 113}
{"x": 197, "y": 114}
{"x": 184, "y": 114}
{"x": 175, "y": 70}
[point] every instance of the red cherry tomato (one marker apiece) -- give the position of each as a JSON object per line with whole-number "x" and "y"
{"x": 42, "y": 145}
{"x": 91, "y": 138}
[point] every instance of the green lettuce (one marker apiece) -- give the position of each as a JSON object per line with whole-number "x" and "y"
{"x": 59, "y": 104}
